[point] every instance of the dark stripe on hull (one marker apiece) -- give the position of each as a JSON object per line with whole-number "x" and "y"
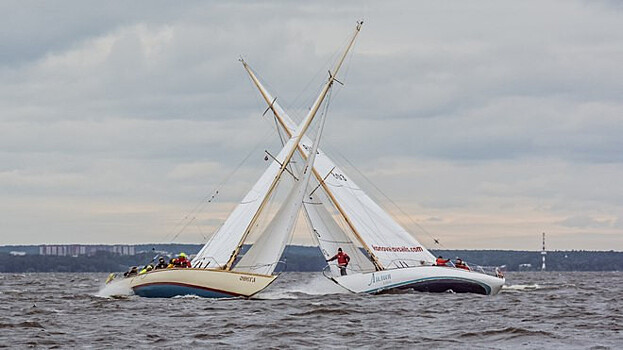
{"x": 169, "y": 290}
{"x": 442, "y": 285}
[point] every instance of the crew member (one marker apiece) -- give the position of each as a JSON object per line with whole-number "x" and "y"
{"x": 146, "y": 269}
{"x": 182, "y": 260}
{"x": 133, "y": 271}
{"x": 459, "y": 264}
{"x": 162, "y": 264}
{"x": 441, "y": 261}
{"x": 342, "y": 260}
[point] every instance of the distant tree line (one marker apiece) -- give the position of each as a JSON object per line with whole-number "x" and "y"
{"x": 304, "y": 258}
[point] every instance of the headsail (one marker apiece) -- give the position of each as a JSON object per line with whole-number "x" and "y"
{"x": 263, "y": 256}
{"x": 329, "y": 236}
{"x": 217, "y": 251}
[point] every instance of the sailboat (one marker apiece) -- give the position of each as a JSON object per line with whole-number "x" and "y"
{"x": 219, "y": 269}
{"x": 384, "y": 256}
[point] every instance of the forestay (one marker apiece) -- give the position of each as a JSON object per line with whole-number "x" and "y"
{"x": 217, "y": 251}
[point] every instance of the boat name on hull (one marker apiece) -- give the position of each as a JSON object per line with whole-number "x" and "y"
{"x": 377, "y": 278}
{"x": 247, "y": 279}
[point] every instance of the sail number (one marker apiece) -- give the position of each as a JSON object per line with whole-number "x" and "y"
{"x": 339, "y": 176}
{"x": 307, "y": 148}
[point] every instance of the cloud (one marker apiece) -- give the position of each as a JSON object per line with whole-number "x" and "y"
{"x": 583, "y": 221}
{"x": 487, "y": 123}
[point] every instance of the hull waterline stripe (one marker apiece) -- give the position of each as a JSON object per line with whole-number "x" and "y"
{"x": 485, "y": 286}
{"x": 187, "y": 286}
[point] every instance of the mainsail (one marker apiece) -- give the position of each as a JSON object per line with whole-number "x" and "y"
{"x": 223, "y": 248}
{"x": 386, "y": 241}
{"x": 267, "y": 249}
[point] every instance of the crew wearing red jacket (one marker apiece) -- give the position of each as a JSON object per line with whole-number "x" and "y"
{"x": 342, "y": 260}
{"x": 182, "y": 261}
{"x": 459, "y": 264}
{"x": 441, "y": 261}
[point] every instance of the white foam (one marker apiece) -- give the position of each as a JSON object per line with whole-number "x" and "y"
{"x": 316, "y": 285}
{"x": 521, "y": 287}
{"x": 116, "y": 287}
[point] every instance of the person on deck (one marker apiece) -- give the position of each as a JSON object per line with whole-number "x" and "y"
{"x": 441, "y": 261}
{"x": 146, "y": 269}
{"x": 133, "y": 271}
{"x": 459, "y": 264}
{"x": 162, "y": 264}
{"x": 182, "y": 261}
{"x": 342, "y": 260}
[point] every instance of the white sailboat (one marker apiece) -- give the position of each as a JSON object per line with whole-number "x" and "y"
{"x": 218, "y": 270}
{"x": 393, "y": 258}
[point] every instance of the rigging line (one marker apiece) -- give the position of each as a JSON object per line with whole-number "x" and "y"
{"x": 317, "y": 76}
{"x": 201, "y": 232}
{"x": 436, "y": 240}
{"x": 348, "y": 65}
{"x": 278, "y": 130}
{"x": 199, "y": 207}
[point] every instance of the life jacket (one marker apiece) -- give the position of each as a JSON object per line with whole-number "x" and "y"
{"x": 183, "y": 262}
{"x": 441, "y": 262}
{"x": 462, "y": 266}
{"x": 342, "y": 258}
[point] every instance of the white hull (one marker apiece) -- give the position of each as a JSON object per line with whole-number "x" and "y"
{"x": 207, "y": 283}
{"x": 422, "y": 278}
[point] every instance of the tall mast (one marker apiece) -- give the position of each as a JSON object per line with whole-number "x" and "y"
{"x": 543, "y": 253}
{"x": 299, "y": 136}
{"x": 377, "y": 264}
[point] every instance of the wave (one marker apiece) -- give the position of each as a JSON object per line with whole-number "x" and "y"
{"x": 521, "y": 287}
{"x": 115, "y": 288}
{"x": 25, "y": 324}
{"x": 508, "y": 332}
{"x": 315, "y": 286}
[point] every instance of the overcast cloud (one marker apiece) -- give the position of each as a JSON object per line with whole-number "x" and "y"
{"x": 487, "y": 122}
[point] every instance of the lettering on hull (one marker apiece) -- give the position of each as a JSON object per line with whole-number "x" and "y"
{"x": 249, "y": 279}
{"x": 383, "y": 278}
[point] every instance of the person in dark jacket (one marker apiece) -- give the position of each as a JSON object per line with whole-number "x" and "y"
{"x": 162, "y": 264}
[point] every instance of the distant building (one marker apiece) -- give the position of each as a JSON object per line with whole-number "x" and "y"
{"x": 80, "y": 249}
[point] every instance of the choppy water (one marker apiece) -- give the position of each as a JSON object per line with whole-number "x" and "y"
{"x": 303, "y": 310}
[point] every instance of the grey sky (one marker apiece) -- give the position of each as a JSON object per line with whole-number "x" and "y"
{"x": 488, "y": 122}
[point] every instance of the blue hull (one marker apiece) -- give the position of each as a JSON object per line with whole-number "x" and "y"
{"x": 440, "y": 285}
{"x": 169, "y": 290}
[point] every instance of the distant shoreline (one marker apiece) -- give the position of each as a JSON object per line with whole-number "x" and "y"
{"x": 25, "y": 258}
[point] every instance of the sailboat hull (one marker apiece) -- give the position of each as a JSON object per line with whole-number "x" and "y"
{"x": 433, "y": 279}
{"x": 205, "y": 283}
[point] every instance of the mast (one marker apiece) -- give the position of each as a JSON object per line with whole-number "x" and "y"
{"x": 543, "y": 253}
{"x": 299, "y": 136}
{"x": 375, "y": 261}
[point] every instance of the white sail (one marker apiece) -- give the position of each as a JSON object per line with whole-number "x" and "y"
{"x": 383, "y": 237}
{"x": 223, "y": 248}
{"x": 263, "y": 256}
{"x": 329, "y": 236}
{"x": 217, "y": 251}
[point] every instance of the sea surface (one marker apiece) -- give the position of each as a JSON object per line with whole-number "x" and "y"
{"x": 549, "y": 310}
